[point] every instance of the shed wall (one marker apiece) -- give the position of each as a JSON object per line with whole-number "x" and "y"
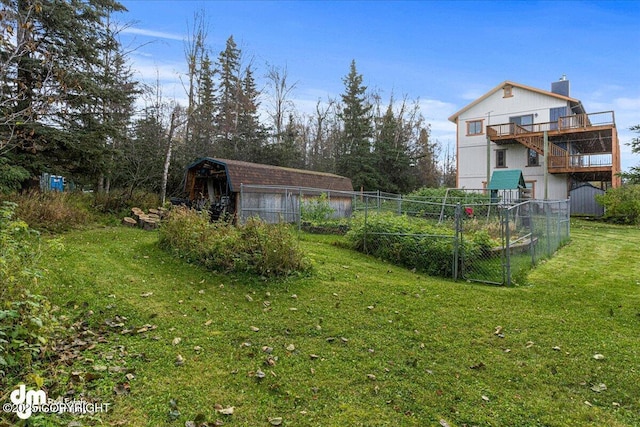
{"x": 583, "y": 201}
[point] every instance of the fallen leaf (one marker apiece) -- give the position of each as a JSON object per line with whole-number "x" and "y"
{"x": 529, "y": 344}
{"x": 498, "y": 330}
{"x": 208, "y": 322}
{"x": 443, "y": 423}
{"x": 276, "y": 421}
{"x": 485, "y": 398}
{"x": 371, "y": 377}
{"x": 598, "y": 356}
{"x": 122, "y": 388}
{"x": 556, "y": 348}
{"x": 291, "y": 347}
{"x": 179, "y": 360}
{"x": 226, "y": 411}
{"x": 146, "y": 294}
{"x": 294, "y": 296}
{"x": 248, "y": 298}
{"x": 197, "y": 349}
{"x": 599, "y": 387}
{"x": 254, "y": 328}
{"x": 176, "y": 341}
{"x": 201, "y": 291}
{"x": 260, "y": 375}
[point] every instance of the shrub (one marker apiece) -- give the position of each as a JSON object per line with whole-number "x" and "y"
{"x": 622, "y": 205}
{"x": 25, "y": 318}
{"x": 120, "y": 202}
{"x": 414, "y": 243}
{"x": 53, "y": 211}
{"x": 316, "y": 210}
{"x": 264, "y": 249}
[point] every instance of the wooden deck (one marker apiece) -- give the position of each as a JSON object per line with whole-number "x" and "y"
{"x": 580, "y": 144}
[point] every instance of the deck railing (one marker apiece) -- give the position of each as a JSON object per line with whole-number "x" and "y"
{"x": 579, "y": 161}
{"x": 576, "y": 121}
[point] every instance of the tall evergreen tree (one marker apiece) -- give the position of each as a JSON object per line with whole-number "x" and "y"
{"x": 353, "y": 156}
{"x": 391, "y": 153}
{"x": 228, "y": 93}
{"x": 201, "y": 120}
{"x": 251, "y": 134}
{"x": 69, "y": 85}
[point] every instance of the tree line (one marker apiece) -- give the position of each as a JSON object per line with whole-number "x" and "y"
{"x": 70, "y": 105}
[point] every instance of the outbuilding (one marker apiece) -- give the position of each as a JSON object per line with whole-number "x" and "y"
{"x": 583, "y": 200}
{"x": 274, "y": 193}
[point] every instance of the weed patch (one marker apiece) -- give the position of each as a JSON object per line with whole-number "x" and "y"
{"x": 414, "y": 243}
{"x": 264, "y": 249}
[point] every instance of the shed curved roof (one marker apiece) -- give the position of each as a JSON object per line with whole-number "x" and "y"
{"x": 239, "y": 172}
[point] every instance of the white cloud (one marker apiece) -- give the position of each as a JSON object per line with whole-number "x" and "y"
{"x": 153, "y": 33}
{"x": 628, "y": 103}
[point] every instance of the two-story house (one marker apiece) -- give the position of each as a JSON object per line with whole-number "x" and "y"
{"x": 547, "y": 135}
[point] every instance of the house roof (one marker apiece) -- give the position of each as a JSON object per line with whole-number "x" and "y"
{"x": 509, "y": 179}
{"x": 239, "y": 172}
{"x": 575, "y": 102}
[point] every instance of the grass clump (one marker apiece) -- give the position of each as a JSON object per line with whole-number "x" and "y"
{"x": 414, "y": 243}
{"x": 53, "y": 211}
{"x": 264, "y": 249}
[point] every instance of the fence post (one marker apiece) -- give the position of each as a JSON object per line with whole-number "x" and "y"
{"x": 548, "y": 220}
{"x": 241, "y": 201}
{"x": 507, "y": 246}
{"x": 456, "y": 240}
{"x": 299, "y": 216}
{"x": 366, "y": 211}
{"x": 532, "y": 246}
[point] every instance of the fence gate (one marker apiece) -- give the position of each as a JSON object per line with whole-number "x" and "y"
{"x": 519, "y": 235}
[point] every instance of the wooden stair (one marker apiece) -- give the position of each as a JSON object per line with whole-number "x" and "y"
{"x": 557, "y": 154}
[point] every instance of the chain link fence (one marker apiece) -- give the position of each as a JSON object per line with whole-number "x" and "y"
{"x": 476, "y": 236}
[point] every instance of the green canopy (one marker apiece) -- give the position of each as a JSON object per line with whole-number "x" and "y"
{"x": 510, "y": 179}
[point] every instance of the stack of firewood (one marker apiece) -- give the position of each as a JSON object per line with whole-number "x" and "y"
{"x": 146, "y": 221}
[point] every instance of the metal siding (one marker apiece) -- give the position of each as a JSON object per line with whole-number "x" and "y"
{"x": 583, "y": 201}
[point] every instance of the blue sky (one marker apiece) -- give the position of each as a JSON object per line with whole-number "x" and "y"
{"x": 445, "y": 54}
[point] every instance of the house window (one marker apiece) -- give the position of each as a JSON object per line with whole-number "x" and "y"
{"x": 501, "y": 158}
{"x": 525, "y": 122}
{"x": 474, "y": 127}
{"x": 507, "y": 91}
{"x": 531, "y": 187}
{"x": 533, "y": 158}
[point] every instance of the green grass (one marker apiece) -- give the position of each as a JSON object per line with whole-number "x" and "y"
{"x": 430, "y": 343}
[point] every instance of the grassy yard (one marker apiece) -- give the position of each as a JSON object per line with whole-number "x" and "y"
{"x": 358, "y": 342}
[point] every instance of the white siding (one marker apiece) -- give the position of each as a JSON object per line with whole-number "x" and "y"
{"x": 496, "y": 109}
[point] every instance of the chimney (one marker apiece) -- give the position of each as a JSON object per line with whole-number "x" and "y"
{"x": 561, "y": 87}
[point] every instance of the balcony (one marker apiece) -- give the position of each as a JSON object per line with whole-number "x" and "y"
{"x": 584, "y": 145}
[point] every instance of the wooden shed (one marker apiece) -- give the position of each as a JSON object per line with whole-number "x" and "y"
{"x": 274, "y": 193}
{"x": 583, "y": 200}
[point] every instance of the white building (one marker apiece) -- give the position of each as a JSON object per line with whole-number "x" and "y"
{"x": 510, "y": 126}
